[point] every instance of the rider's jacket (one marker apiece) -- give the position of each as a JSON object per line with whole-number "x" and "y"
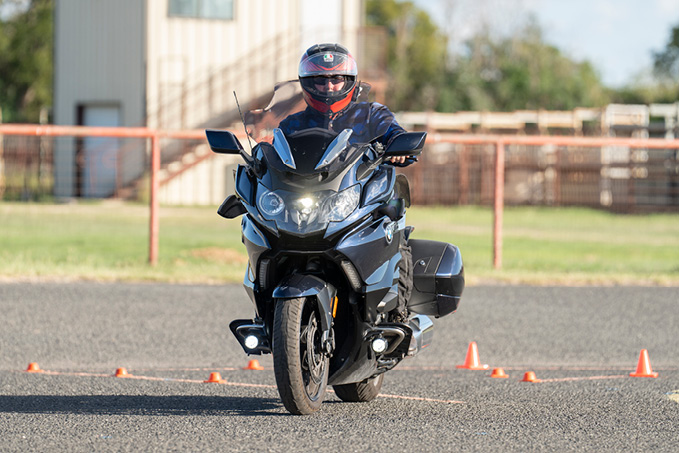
{"x": 368, "y": 120}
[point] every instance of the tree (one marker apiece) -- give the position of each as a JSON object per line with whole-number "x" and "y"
{"x": 416, "y": 54}
{"x": 26, "y": 43}
{"x": 666, "y": 62}
{"x": 491, "y": 72}
{"x": 662, "y": 85}
{"x": 520, "y": 72}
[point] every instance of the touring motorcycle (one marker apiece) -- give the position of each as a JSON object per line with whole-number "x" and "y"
{"x": 324, "y": 228}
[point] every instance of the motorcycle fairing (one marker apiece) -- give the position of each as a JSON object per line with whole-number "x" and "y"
{"x": 231, "y": 208}
{"x": 372, "y": 240}
{"x": 245, "y": 191}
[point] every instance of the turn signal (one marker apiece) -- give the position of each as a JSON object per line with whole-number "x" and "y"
{"x": 352, "y": 275}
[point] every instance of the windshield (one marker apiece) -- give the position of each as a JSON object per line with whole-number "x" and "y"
{"x": 288, "y": 112}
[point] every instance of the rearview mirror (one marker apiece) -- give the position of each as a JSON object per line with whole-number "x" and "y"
{"x": 223, "y": 142}
{"x": 406, "y": 144}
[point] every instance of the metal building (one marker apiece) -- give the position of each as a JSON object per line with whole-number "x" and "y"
{"x": 172, "y": 64}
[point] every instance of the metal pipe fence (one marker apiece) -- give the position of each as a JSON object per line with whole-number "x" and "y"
{"x": 615, "y": 174}
{"x": 37, "y": 163}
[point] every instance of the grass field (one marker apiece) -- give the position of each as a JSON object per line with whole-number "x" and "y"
{"x": 109, "y": 242}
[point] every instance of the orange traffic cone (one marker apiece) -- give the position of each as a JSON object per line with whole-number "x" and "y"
{"x": 499, "y": 373}
{"x": 254, "y": 365}
{"x": 216, "y": 378}
{"x": 122, "y": 373}
{"x": 644, "y": 366}
{"x": 530, "y": 377}
{"x": 34, "y": 368}
{"x": 471, "y": 362}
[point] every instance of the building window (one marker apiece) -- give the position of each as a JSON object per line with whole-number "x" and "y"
{"x": 203, "y": 9}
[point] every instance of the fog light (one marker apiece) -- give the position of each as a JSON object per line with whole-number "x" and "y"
{"x": 251, "y": 342}
{"x": 379, "y": 345}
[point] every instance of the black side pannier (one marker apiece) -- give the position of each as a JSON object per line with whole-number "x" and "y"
{"x": 438, "y": 278}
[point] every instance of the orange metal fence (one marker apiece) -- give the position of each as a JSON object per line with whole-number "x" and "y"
{"x": 619, "y": 174}
{"x": 150, "y": 135}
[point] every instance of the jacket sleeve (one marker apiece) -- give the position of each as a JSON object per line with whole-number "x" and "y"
{"x": 384, "y": 123}
{"x": 385, "y": 119}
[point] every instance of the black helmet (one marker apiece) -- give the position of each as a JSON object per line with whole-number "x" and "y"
{"x": 320, "y": 63}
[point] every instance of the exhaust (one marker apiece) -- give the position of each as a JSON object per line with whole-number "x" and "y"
{"x": 423, "y": 332}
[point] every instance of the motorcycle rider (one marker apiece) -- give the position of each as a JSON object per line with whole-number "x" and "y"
{"x": 328, "y": 77}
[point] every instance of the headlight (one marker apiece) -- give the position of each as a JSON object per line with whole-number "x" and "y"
{"x": 297, "y": 212}
{"x": 339, "y": 206}
{"x": 304, "y": 210}
{"x": 376, "y": 188}
{"x": 271, "y": 204}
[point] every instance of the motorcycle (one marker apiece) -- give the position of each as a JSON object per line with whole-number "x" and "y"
{"x": 329, "y": 253}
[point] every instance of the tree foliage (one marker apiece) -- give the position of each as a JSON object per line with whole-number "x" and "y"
{"x": 25, "y": 59}
{"x": 662, "y": 86}
{"x": 416, "y": 54}
{"x": 666, "y": 62}
{"x": 520, "y": 72}
{"x": 491, "y": 73}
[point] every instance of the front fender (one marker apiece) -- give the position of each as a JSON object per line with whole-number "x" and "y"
{"x": 300, "y": 285}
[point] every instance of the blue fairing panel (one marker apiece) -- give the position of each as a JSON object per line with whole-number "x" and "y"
{"x": 373, "y": 241}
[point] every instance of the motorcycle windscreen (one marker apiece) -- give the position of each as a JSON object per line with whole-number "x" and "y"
{"x": 288, "y": 111}
{"x": 309, "y": 157}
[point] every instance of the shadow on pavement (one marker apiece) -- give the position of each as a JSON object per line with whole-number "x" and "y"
{"x": 139, "y": 405}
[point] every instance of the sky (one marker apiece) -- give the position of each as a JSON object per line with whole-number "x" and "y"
{"x": 616, "y": 36}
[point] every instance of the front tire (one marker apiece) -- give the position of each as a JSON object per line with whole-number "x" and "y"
{"x": 360, "y": 392}
{"x": 300, "y": 366}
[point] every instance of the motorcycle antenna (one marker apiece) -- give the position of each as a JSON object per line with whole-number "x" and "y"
{"x": 242, "y": 118}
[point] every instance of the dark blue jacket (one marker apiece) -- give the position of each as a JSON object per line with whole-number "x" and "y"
{"x": 368, "y": 120}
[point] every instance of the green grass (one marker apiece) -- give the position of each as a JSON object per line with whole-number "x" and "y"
{"x": 562, "y": 246}
{"x": 109, "y": 242}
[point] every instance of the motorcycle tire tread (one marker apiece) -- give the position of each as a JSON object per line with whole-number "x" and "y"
{"x": 286, "y": 358}
{"x": 360, "y": 392}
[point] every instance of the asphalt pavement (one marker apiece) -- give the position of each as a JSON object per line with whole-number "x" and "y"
{"x": 582, "y": 342}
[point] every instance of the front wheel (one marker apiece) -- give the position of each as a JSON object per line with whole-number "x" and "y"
{"x": 300, "y": 366}
{"x": 360, "y": 392}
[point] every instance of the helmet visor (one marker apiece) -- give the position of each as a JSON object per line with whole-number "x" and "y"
{"x": 327, "y": 63}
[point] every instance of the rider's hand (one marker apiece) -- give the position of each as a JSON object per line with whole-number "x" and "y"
{"x": 397, "y": 159}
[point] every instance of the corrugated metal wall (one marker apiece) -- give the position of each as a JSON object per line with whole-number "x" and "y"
{"x": 99, "y": 62}
{"x": 99, "y": 59}
{"x": 194, "y": 65}
{"x": 172, "y": 72}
